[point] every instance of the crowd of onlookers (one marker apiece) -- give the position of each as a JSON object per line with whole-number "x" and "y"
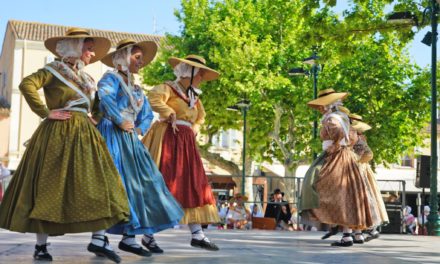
{"x": 236, "y": 215}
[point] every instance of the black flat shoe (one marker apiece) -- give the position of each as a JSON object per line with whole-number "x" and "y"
{"x": 371, "y": 237}
{"x": 101, "y": 251}
{"x": 358, "y": 241}
{"x": 41, "y": 253}
{"x": 333, "y": 231}
{"x": 342, "y": 243}
{"x": 204, "y": 244}
{"x": 152, "y": 246}
{"x": 135, "y": 250}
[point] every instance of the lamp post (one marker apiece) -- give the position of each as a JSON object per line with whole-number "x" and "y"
{"x": 431, "y": 40}
{"x": 313, "y": 61}
{"x": 242, "y": 106}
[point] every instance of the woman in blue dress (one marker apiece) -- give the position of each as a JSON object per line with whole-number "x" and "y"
{"x": 126, "y": 114}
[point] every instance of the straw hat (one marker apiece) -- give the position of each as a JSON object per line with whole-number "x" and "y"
{"x": 149, "y": 49}
{"x": 355, "y": 117}
{"x": 196, "y": 61}
{"x": 102, "y": 45}
{"x": 326, "y": 97}
{"x": 344, "y": 110}
{"x": 360, "y": 126}
{"x": 238, "y": 196}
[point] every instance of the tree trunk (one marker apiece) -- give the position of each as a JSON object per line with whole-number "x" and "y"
{"x": 217, "y": 160}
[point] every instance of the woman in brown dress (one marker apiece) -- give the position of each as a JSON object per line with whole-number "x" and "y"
{"x": 340, "y": 192}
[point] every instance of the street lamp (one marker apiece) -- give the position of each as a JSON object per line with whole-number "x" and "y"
{"x": 431, "y": 40}
{"x": 313, "y": 61}
{"x": 242, "y": 106}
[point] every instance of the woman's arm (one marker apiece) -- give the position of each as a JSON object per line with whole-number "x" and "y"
{"x": 158, "y": 98}
{"x": 144, "y": 118}
{"x": 108, "y": 88}
{"x": 29, "y": 88}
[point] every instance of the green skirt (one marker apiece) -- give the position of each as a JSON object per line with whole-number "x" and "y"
{"x": 66, "y": 182}
{"x": 309, "y": 198}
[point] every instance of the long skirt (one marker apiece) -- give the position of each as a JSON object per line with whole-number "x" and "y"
{"x": 309, "y": 197}
{"x": 379, "y": 212}
{"x": 66, "y": 182}
{"x": 152, "y": 207}
{"x": 183, "y": 171}
{"x": 343, "y": 197}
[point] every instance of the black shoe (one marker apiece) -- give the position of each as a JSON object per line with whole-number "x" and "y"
{"x": 204, "y": 244}
{"x": 333, "y": 231}
{"x": 371, "y": 237}
{"x": 101, "y": 251}
{"x": 135, "y": 250}
{"x": 152, "y": 246}
{"x": 358, "y": 241}
{"x": 41, "y": 253}
{"x": 342, "y": 243}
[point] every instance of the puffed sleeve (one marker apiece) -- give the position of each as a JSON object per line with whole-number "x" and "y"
{"x": 333, "y": 129}
{"x": 107, "y": 90}
{"x": 200, "y": 117}
{"x": 158, "y": 97}
{"x": 145, "y": 117}
{"x": 367, "y": 156}
{"x": 29, "y": 88}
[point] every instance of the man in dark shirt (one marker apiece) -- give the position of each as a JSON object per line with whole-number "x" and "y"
{"x": 279, "y": 209}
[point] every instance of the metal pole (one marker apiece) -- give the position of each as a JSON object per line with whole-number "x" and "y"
{"x": 243, "y": 176}
{"x": 315, "y": 95}
{"x": 433, "y": 220}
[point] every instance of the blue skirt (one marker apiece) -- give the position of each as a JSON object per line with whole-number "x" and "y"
{"x": 152, "y": 206}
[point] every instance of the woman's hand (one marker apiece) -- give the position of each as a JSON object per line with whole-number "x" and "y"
{"x": 127, "y": 126}
{"x": 58, "y": 114}
{"x": 172, "y": 119}
{"x": 94, "y": 122}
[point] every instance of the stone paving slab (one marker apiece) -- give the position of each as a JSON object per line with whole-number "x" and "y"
{"x": 254, "y": 246}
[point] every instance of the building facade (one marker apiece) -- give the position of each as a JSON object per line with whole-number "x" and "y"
{"x": 23, "y": 53}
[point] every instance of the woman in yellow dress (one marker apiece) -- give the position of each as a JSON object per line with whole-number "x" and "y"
{"x": 172, "y": 144}
{"x": 66, "y": 181}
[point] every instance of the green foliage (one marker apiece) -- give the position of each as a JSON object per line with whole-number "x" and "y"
{"x": 254, "y": 43}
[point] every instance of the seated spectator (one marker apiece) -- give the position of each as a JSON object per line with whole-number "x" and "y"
{"x": 409, "y": 221}
{"x": 238, "y": 217}
{"x": 422, "y": 221}
{"x": 223, "y": 212}
{"x": 294, "y": 220}
{"x": 256, "y": 211}
{"x": 280, "y": 210}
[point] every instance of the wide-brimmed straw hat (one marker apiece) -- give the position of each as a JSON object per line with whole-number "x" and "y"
{"x": 355, "y": 117}
{"x": 149, "y": 50}
{"x": 360, "y": 126}
{"x": 326, "y": 97}
{"x": 196, "y": 61}
{"x": 238, "y": 196}
{"x": 102, "y": 45}
{"x": 344, "y": 110}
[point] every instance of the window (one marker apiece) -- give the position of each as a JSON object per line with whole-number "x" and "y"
{"x": 407, "y": 161}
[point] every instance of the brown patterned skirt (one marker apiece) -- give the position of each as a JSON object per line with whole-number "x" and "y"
{"x": 343, "y": 197}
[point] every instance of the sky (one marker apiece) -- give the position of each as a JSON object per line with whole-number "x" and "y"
{"x": 135, "y": 16}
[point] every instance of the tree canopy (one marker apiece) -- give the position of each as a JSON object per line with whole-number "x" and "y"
{"x": 254, "y": 44}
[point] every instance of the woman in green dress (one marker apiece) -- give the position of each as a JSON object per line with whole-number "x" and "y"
{"x": 66, "y": 181}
